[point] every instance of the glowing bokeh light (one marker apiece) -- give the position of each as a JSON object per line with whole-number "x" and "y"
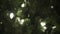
{"x": 44, "y": 28}
{"x": 18, "y": 19}
{"x": 11, "y": 15}
{"x": 0, "y": 22}
{"x": 21, "y": 21}
{"x": 53, "y": 27}
{"x": 52, "y": 6}
{"x": 43, "y": 23}
{"x": 24, "y": 0}
{"x": 23, "y": 5}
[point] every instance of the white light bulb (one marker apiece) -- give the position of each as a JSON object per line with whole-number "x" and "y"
{"x": 11, "y": 15}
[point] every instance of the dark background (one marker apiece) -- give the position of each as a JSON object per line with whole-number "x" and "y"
{"x": 37, "y": 9}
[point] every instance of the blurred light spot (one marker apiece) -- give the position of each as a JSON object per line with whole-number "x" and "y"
{"x": 44, "y": 28}
{"x": 21, "y": 21}
{"x": 11, "y": 15}
{"x": 18, "y": 19}
{"x": 19, "y": 12}
{"x": 53, "y": 27}
{"x": 52, "y": 6}
{"x": 43, "y": 23}
{"x": 28, "y": 15}
{"x": 0, "y": 22}
{"x": 24, "y": 0}
{"x": 23, "y": 5}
